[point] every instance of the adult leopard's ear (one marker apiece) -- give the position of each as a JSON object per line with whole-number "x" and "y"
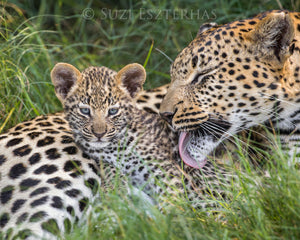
{"x": 206, "y": 26}
{"x": 64, "y": 77}
{"x": 131, "y": 78}
{"x": 272, "y": 36}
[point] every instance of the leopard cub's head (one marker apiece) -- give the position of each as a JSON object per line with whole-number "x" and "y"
{"x": 98, "y": 102}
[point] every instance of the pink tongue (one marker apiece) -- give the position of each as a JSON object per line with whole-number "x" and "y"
{"x": 184, "y": 154}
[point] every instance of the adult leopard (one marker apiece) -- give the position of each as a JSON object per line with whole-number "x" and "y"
{"x": 233, "y": 77}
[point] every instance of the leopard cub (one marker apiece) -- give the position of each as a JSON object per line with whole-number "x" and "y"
{"x": 101, "y": 109}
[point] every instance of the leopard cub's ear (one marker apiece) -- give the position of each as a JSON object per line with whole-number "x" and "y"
{"x": 64, "y": 77}
{"x": 131, "y": 78}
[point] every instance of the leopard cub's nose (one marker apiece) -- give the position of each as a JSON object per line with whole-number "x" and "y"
{"x": 167, "y": 116}
{"x": 99, "y": 135}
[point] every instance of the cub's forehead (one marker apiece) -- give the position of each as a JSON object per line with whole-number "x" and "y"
{"x": 94, "y": 77}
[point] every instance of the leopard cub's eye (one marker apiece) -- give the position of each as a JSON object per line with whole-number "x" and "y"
{"x": 85, "y": 111}
{"x": 113, "y": 111}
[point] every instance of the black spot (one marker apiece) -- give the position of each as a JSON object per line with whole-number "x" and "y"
{"x": 33, "y": 135}
{"x": 36, "y": 217}
{"x": 6, "y": 194}
{"x": 194, "y": 61}
{"x": 255, "y": 74}
{"x": 252, "y": 22}
{"x": 17, "y": 170}
{"x": 45, "y": 141}
{"x": 240, "y": 77}
{"x": 77, "y": 173}
{"x": 246, "y": 66}
{"x": 52, "y": 154}
{"x": 66, "y": 139}
{"x": 39, "y": 191}
{"x": 57, "y": 202}
{"x": 92, "y": 184}
{"x": 241, "y": 104}
{"x": 22, "y": 151}
{"x": 47, "y": 169}
{"x": 59, "y": 121}
{"x": 27, "y": 183}
{"x": 217, "y": 37}
{"x": 258, "y": 84}
{"x": 63, "y": 184}
{"x": 208, "y": 43}
{"x": 70, "y": 165}
{"x": 273, "y": 86}
{"x": 51, "y": 226}
{"x": 54, "y": 180}
{"x": 17, "y": 205}
{"x": 201, "y": 49}
{"x": 45, "y": 124}
{"x": 14, "y": 142}
{"x": 2, "y": 159}
{"x": 254, "y": 113}
{"x": 232, "y": 87}
{"x": 4, "y": 219}
{"x": 298, "y": 27}
{"x": 70, "y": 150}
{"x": 231, "y": 72}
{"x": 236, "y": 51}
{"x": 70, "y": 210}
{"x": 51, "y": 131}
{"x": 224, "y": 55}
{"x": 94, "y": 169}
{"x": 35, "y": 158}
{"x": 18, "y": 128}
{"x": 218, "y": 87}
{"x": 252, "y": 99}
{"x": 157, "y": 105}
{"x": 73, "y": 193}
{"x": 22, "y": 218}
{"x": 247, "y": 86}
{"x": 82, "y": 203}
{"x": 39, "y": 201}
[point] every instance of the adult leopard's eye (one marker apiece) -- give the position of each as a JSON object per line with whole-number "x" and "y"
{"x": 85, "y": 111}
{"x": 113, "y": 111}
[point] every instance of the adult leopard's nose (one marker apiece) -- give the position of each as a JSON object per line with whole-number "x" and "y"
{"x": 167, "y": 116}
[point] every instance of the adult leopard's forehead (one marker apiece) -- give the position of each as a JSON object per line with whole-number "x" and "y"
{"x": 213, "y": 44}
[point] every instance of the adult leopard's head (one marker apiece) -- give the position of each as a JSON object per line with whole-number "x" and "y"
{"x": 230, "y": 78}
{"x": 97, "y": 102}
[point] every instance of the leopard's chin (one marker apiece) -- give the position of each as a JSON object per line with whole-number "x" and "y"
{"x": 194, "y": 149}
{"x": 185, "y": 151}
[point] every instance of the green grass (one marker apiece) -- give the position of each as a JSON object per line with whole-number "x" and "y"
{"x": 33, "y": 37}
